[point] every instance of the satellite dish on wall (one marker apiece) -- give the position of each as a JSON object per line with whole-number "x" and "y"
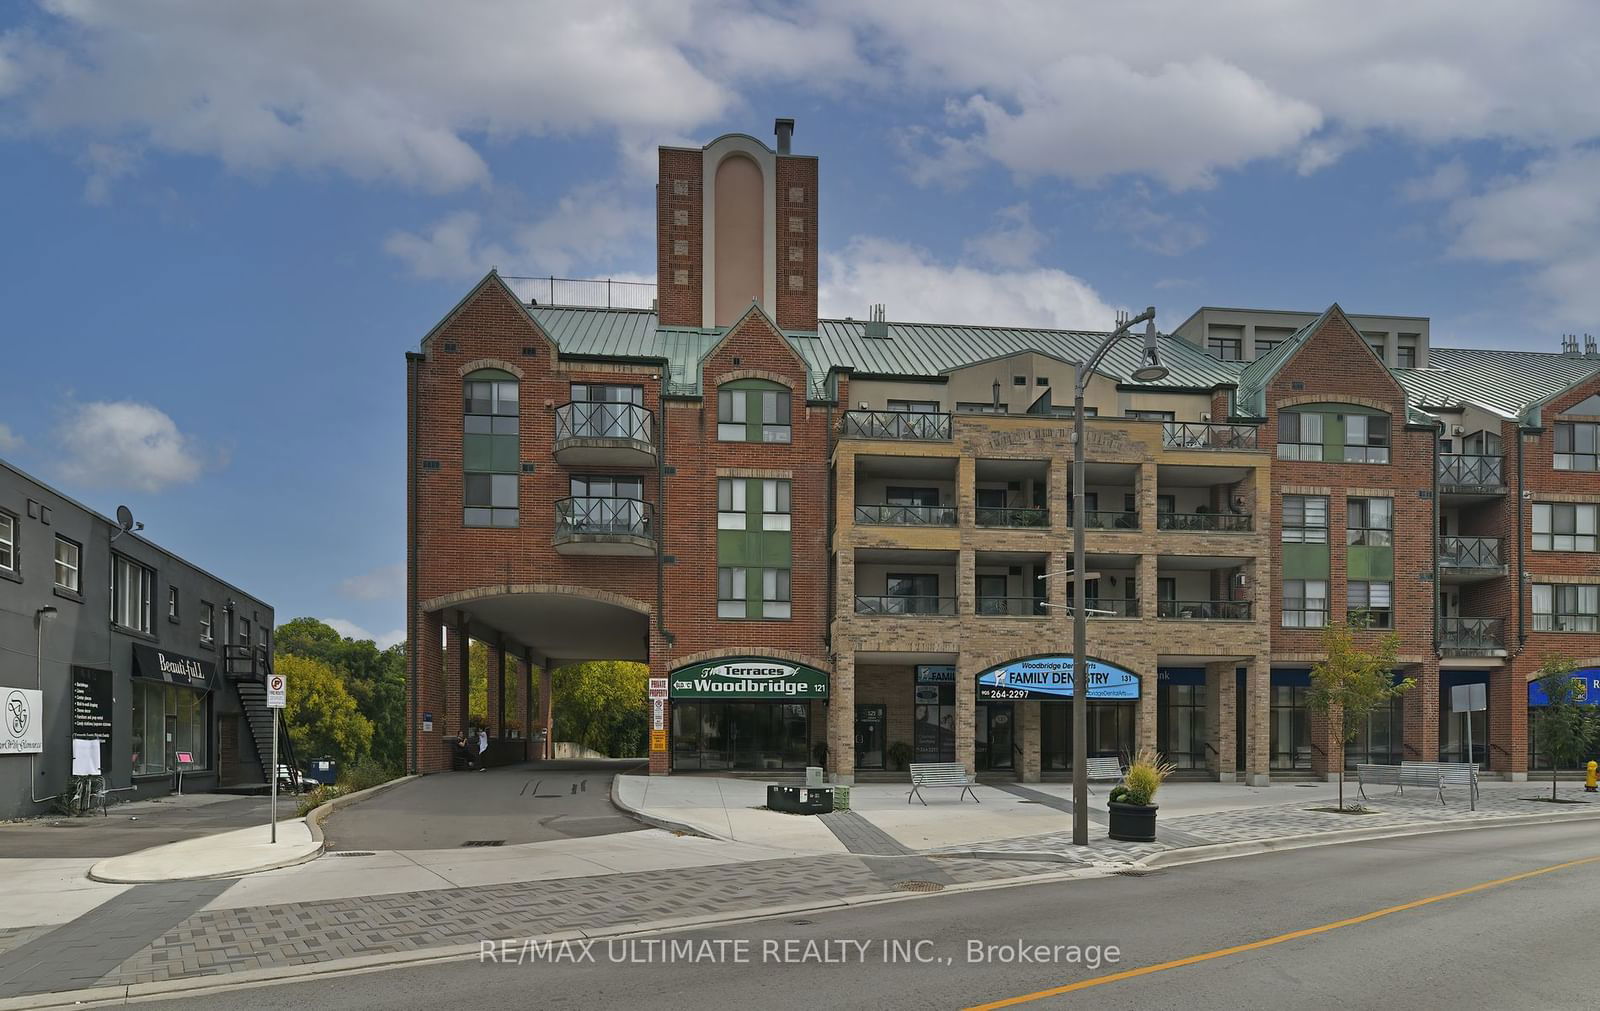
{"x": 125, "y": 522}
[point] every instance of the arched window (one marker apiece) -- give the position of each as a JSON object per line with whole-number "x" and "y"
{"x": 490, "y": 449}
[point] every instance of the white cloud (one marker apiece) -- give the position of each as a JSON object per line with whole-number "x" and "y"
{"x": 589, "y": 228}
{"x": 1013, "y": 242}
{"x": 10, "y": 441}
{"x": 917, "y": 287}
{"x": 106, "y": 163}
{"x": 351, "y": 630}
{"x": 125, "y": 444}
{"x": 1446, "y": 182}
{"x": 386, "y": 582}
{"x": 1548, "y": 219}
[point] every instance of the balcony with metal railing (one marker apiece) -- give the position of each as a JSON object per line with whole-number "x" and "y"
{"x": 1464, "y": 559}
{"x": 1203, "y": 435}
{"x": 1012, "y": 607}
{"x": 1014, "y": 518}
{"x": 590, "y": 525}
{"x": 1107, "y": 519}
{"x": 1205, "y": 610}
{"x": 597, "y": 293}
{"x": 1207, "y": 522}
{"x": 1466, "y": 474}
{"x": 1472, "y": 636}
{"x": 890, "y": 514}
{"x": 905, "y": 606}
{"x": 604, "y": 434}
{"x": 896, "y": 426}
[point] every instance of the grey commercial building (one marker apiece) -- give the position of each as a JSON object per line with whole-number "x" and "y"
{"x": 106, "y": 636}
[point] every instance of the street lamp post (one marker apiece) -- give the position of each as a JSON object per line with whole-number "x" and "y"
{"x": 1150, "y": 370}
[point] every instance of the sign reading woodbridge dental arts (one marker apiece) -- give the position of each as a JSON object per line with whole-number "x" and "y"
{"x": 1049, "y": 678}
{"x": 164, "y": 665}
{"x": 749, "y": 677}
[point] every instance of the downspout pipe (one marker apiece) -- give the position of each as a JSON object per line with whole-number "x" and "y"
{"x": 661, "y": 524}
{"x": 414, "y": 360}
{"x": 39, "y": 618}
{"x": 1438, "y": 619}
{"x": 1516, "y": 581}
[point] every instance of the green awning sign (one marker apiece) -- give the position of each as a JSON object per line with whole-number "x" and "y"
{"x": 749, "y": 677}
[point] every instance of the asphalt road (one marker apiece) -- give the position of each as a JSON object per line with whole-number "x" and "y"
{"x": 1523, "y": 943}
{"x": 127, "y": 828}
{"x": 533, "y": 802}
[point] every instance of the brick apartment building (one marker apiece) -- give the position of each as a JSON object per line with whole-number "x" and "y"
{"x": 847, "y": 541}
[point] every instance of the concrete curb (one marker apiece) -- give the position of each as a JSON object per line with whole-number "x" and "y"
{"x": 658, "y": 822}
{"x": 320, "y": 813}
{"x": 197, "y": 986}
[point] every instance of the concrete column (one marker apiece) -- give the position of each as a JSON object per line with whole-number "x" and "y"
{"x": 966, "y": 710}
{"x": 1221, "y": 721}
{"x": 1258, "y": 722}
{"x": 1028, "y": 727}
{"x": 842, "y": 720}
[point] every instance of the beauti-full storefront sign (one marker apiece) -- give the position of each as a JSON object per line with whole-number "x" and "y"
{"x": 174, "y": 668}
{"x": 1049, "y": 678}
{"x": 1585, "y": 689}
{"x": 751, "y": 677}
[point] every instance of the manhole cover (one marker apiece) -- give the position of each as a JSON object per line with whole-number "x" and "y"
{"x": 1130, "y": 872}
{"x": 484, "y": 842}
{"x": 918, "y": 886}
{"x": 354, "y": 853}
{"x": 802, "y": 923}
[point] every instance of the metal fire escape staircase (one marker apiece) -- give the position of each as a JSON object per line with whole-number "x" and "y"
{"x": 249, "y": 667}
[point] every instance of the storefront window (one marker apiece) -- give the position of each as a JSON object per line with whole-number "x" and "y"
{"x": 740, "y": 735}
{"x": 1291, "y": 730}
{"x": 994, "y": 736}
{"x": 1182, "y": 730}
{"x": 1380, "y": 741}
{"x": 1110, "y": 732}
{"x": 168, "y": 719}
{"x": 933, "y": 723}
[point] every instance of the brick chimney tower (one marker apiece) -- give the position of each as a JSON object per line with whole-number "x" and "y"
{"x": 736, "y": 221}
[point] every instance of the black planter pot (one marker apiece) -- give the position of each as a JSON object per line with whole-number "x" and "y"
{"x": 1133, "y": 822}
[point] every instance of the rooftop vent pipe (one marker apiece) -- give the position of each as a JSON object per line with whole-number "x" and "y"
{"x": 877, "y": 321}
{"x": 1589, "y": 348}
{"x": 784, "y": 128}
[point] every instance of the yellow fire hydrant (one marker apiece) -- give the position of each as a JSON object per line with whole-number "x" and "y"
{"x": 1589, "y": 784}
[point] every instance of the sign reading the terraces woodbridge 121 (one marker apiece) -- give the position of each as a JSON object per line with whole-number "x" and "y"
{"x": 749, "y": 677}
{"x": 1050, "y": 678}
{"x": 1585, "y": 689}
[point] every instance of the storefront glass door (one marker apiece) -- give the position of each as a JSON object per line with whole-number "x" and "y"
{"x": 870, "y": 723}
{"x": 933, "y": 722}
{"x": 1291, "y": 728}
{"x": 994, "y": 736}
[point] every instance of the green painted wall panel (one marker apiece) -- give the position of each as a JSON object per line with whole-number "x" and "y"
{"x": 1370, "y": 563}
{"x": 1305, "y": 561}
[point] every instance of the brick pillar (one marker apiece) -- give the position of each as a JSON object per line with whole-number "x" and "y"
{"x": 529, "y": 716}
{"x": 1420, "y": 710}
{"x": 546, "y": 703}
{"x": 1221, "y": 721}
{"x": 842, "y": 720}
{"x": 1327, "y": 744}
{"x": 496, "y": 689}
{"x": 432, "y": 751}
{"x": 1508, "y": 719}
{"x": 1257, "y": 722}
{"x": 1148, "y": 708}
{"x": 458, "y": 665}
{"x": 966, "y": 708}
{"x": 1028, "y": 727}
{"x": 517, "y": 692}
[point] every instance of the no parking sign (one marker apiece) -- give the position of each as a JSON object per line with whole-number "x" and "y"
{"x": 277, "y": 691}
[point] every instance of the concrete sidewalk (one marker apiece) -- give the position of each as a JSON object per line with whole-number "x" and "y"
{"x": 225, "y": 855}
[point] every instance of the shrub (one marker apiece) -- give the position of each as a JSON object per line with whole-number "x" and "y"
{"x": 900, "y": 754}
{"x": 363, "y": 775}
{"x": 1144, "y": 777}
{"x": 316, "y": 798}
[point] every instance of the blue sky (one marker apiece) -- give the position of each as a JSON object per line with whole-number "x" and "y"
{"x": 224, "y": 224}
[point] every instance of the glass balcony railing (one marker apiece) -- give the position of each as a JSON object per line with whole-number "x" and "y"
{"x": 1107, "y": 519}
{"x": 1205, "y": 610}
{"x": 906, "y": 515}
{"x": 1015, "y": 607}
{"x": 1111, "y": 607}
{"x": 1227, "y": 523}
{"x": 995, "y": 516}
{"x": 899, "y": 605}
{"x": 912, "y": 426}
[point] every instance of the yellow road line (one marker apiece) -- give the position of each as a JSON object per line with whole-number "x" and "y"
{"x": 1268, "y": 942}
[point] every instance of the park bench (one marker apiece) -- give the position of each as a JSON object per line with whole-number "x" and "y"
{"x": 1454, "y": 773}
{"x": 1400, "y": 777}
{"x": 1104, "y": 770}
{"x": 937, "y": 774}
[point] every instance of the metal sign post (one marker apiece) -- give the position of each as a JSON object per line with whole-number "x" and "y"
{"x": 1469, "y": 699}
{"x": 277, "y": 695}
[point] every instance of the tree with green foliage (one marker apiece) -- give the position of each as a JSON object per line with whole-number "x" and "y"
{"x": 375, "y": 679}
{"x": 1353, "y": 681}
{"x": 478, "y": 683}
{"x": 601, "y": 705}
{"x": 1564, "y": 729}
{"x": 322, "y": 716}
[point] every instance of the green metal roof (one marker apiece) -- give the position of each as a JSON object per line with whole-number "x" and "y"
{"x": 1254, "y": 378}
{"x": 1514, "y": 384}
{"x": 913, "y": 350}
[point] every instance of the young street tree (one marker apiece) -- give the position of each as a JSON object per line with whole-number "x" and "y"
{"x": 1354, "y": 681}
{"x": 1564, "y": 729}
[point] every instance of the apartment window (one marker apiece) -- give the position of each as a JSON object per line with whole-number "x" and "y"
{"x": 774, "y": 504}
{"x": 1264, "y": 347}
{"x": 1559, "y": 608}
{"x": 730, "y": 503}
{"x": 244, "y": 631}
{"x": 613, "y": 412}
{"x": 1558, "y": 526}
{"x": 1370, "y": 522}
{"x": 1366, "y": 438}
{"x": 1019, "y": 380}
{"x": 1229, "y": 349}
{"x": 8, "y": 543}
{"x": 1152, "y": 415}
{"x": 208, "y": 622}
{"x": 775, "y": 593}
{"x": 1305, "y": 519}
{"x": 172, "y": 603}
{"x": 1299, "y": 436}
{"x": 1378, "y": 350}
{"x": 912, "y": 593}
{"x": 1305, "y": 603}
{"x": 490, "y": 449}
{"x": 754, "y": 414}
{"x": 1406, "y": 356}
{"x": 914, "y": 406}
{"x": 133, "y": 586}
{"x": 1577, "y": 445}
{"x": 731, "y": 593}
{"x": 1041, "y": 380}
{"x": 69, "y": 558}
{"x": 978, "y": 407}
{"x": 1370, "y": 605}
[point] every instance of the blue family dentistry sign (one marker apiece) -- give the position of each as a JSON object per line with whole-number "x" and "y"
{"x": 1049, "y": 678}
{"x": 1585, "y": 689}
